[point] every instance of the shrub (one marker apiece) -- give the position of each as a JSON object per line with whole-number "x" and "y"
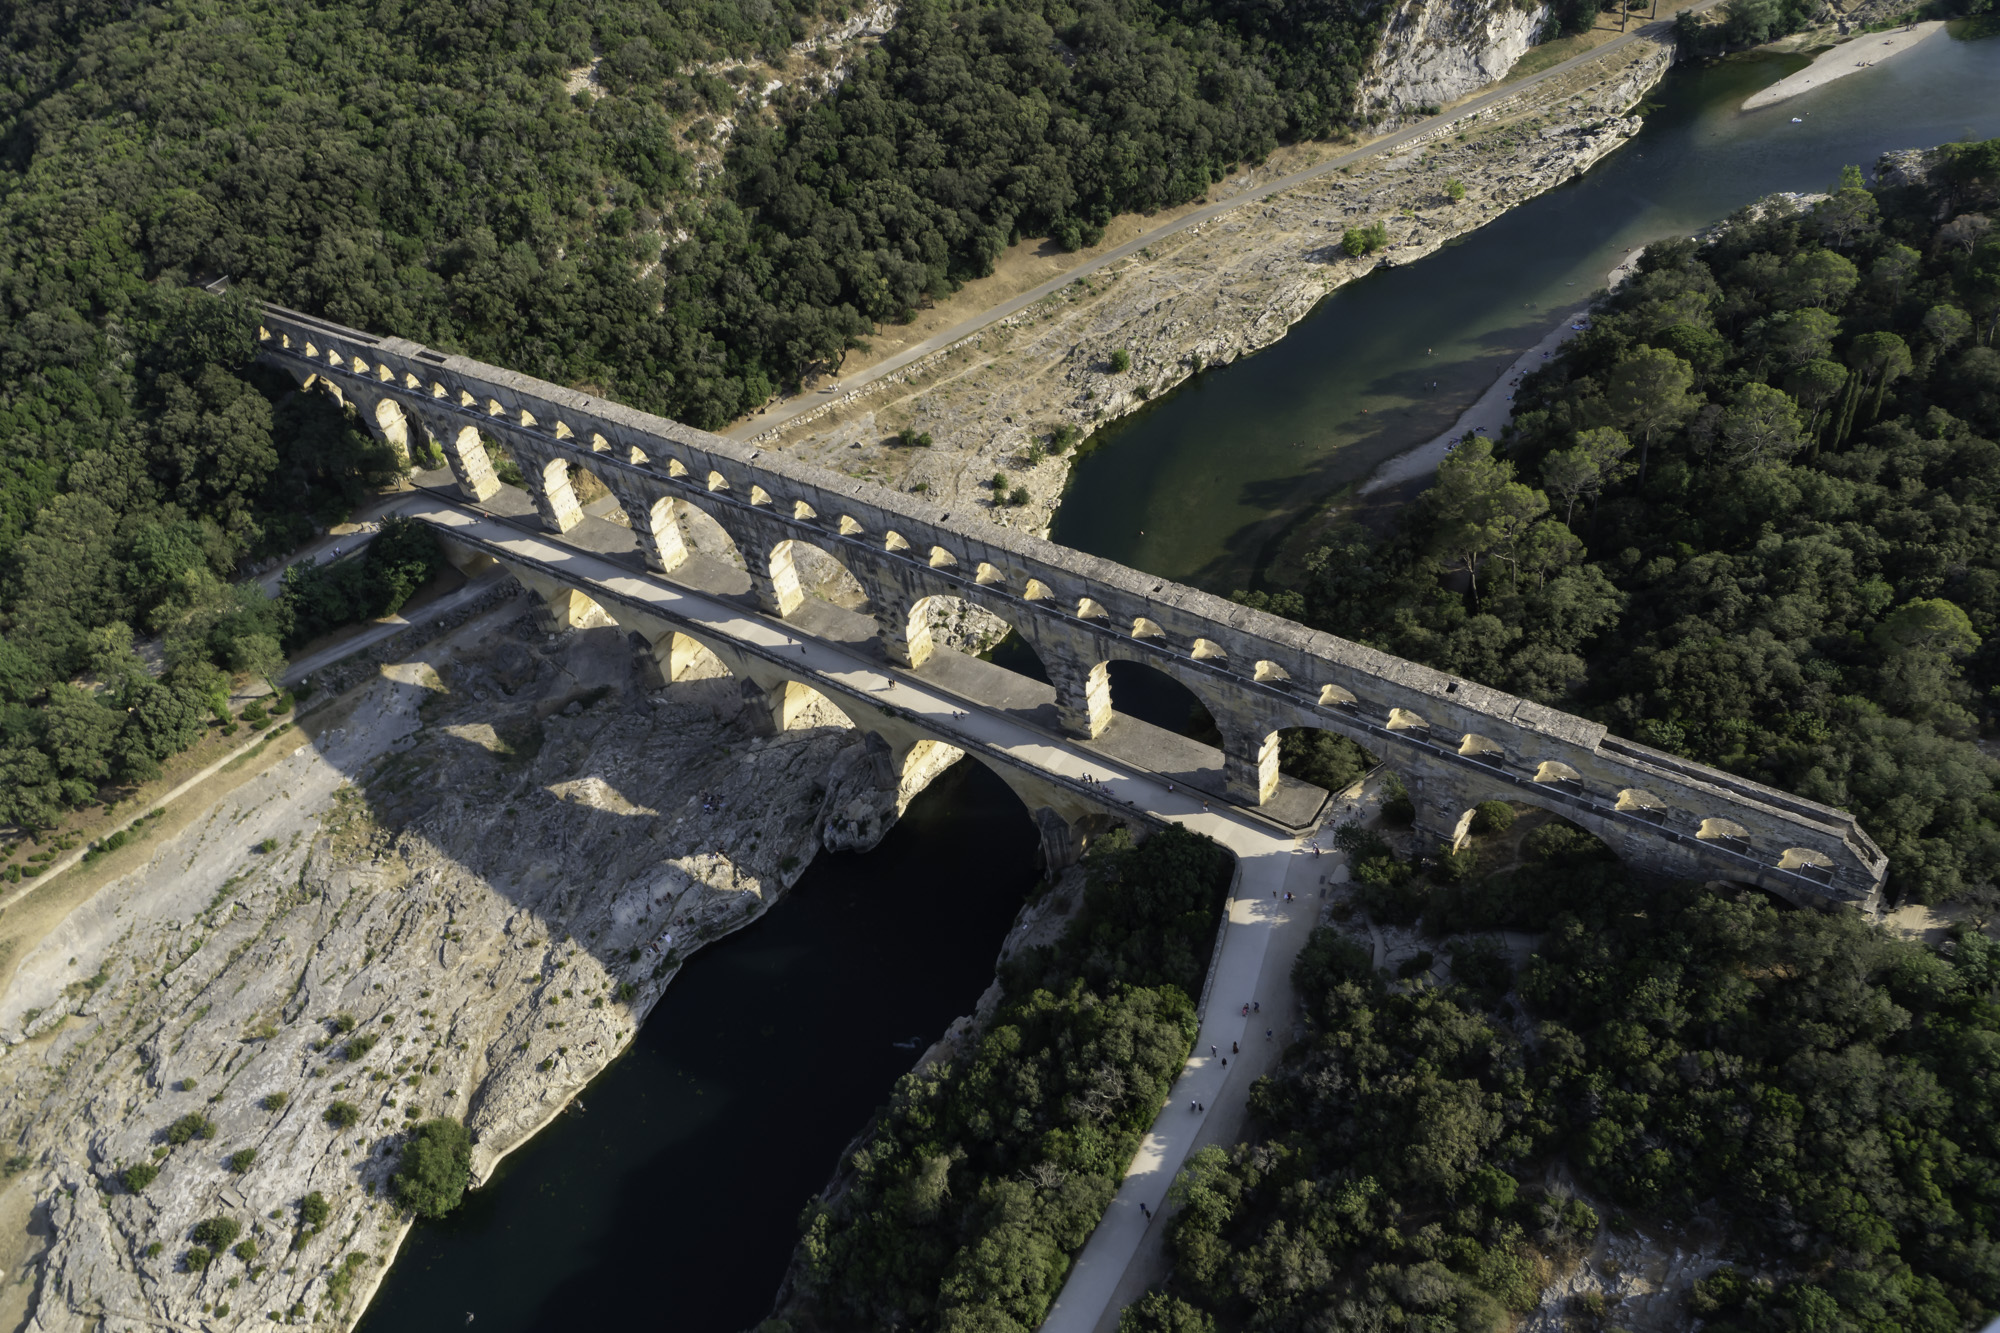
{"x": 153, "y": 1251}
{"x": 314, "y": 1210}
{"x": 197, "y": 1258}
{"x": 217, "y": 1233}
{"x": 268, "y": 846}
{"x": 437, "y": 1163}
{"x": 246, "y": 1250}
{"x": 1453, "y": 867}
{"x": 1018, "y": 497}
{"x": 1492, "y": 817}
{"x": 253, "y": 713}
{"x": 1455, "y": 189}
{"x": 276, "y": 1101}
{"x": 1399, "y": 811}
{"x": 628, "y": 991}
{"x": 240, "y": 1160}
{"x": 342, "y": 1023}
{"x": 1121, "y": 361}
{"x": 357, "y": 1047}
{"x": 342, "y": 1115}
{"x": 193, "y": 1125}
{"x": 1358, "y": 241}
{"x": 139, "y": 1175}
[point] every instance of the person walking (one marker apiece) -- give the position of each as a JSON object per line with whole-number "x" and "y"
{"x": 1267, "y": 1034}
{"x": 1211, "y": 1050}
{"x": 1234, "y": 1049}
{"x": 1144, "y": 1211}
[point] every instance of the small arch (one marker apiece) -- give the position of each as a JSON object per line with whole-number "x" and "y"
{"x": 676, "y": 468}
{"x": 716, "y": 481}
{"x": 988, "y": 577}
{"x": 1402, "y": 719}
{"x": 1089, "y": 608}
{"x": 803, "y": 512}
{"x": 1208, "y": 650}
{"x": 385, "y": 375}
{"x": 439, "y": 391}
{"x": 1808, "y": 864}
{"x": 1642, "y": 804}
{"x": 1725, "y": 831}
{"x": 563, "y": 431}
{"x": 1482, "y": 749}
{"x": 943, "y": 559}
{"x": 944, "y": 621}
{"x": 758, "y": 495}
{"x": 412, "y": 382}
{"x": 1558, "y": 774}
{"x": 311, "y": 351}
{"x": 1038, "y": 591}
{"x": 598, "y": 444}
{"x": 895, "y": 542}
{"x": 493, "y": 408}
{"x": 1271, "y": 673}
{"x": 466, "y": 400}
{"x": 1333, "y": 696}
{"x": 849, "y": 528}
{"x": 357, "y": 365}
{"x": 637, "y": 457}
{"x": 1143, "y": 628}
{"x": 528, "y": 419}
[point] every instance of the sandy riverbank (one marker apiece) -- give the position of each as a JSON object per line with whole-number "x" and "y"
{"x": 1850, "y": 57}
{"x": 1494, "y": 408}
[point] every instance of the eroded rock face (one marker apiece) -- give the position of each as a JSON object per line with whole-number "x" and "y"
{"x": 490, "y": 862}
{"x": 1436, "y": 51}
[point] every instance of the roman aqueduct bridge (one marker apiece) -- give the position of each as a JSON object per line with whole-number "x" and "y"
{"x": 1455, "y": 742}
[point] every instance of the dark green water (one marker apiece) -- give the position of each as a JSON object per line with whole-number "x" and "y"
{"x": 1199, "y": 485}
{"x": 672, "y": 1200}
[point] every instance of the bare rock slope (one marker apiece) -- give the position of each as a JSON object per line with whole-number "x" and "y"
{"x": 458, "y": 898}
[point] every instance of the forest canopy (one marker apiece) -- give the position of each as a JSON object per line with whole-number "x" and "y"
{"x": 1749, "y": 516}
{"x": 427, "y": 168}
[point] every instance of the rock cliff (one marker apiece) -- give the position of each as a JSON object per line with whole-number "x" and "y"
{"x": 459, "y": 897}
{"x": 1437, "y": 51}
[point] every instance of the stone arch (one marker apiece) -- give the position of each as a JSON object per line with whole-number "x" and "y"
{"x": 1143, "y": 628}
{"x": 1402, "y": 719}
{"x": 1143, "y": 691}
{"x": 1482, "y": 749}
{"x": 703, "y": 535}
{"x": 659, "y": 531}
{"x": 1639, "y": 802}
{"x": 391, "y": 426}
{"x": 465, "y": 453}
{"x": 1270, "y": 673}
{"x": 1334, "y": 696}
{"x": 1323, "y": 756}
{"x": 1724, "y": 833}
{"x": 947, "y": 621}
{"x": 1807, "y": 864}
{"x": 799, "y": 570}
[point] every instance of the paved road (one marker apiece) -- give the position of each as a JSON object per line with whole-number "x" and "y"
{"x": 788, "y": 409}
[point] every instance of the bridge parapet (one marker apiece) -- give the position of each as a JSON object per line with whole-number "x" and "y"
{"x": 1258, "y": 674}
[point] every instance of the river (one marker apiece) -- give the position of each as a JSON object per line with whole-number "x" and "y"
{"x": 1199, "y": 485}
{"x": 673, "y": 1198}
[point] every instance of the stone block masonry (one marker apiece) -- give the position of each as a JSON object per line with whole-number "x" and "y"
{"x": 1456, "y": 742}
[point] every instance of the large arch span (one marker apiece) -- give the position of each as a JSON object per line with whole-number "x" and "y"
{"x": 1259, "y": 675}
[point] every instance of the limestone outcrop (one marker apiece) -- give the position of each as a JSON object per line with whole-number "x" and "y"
{"x": 459, "y": 897}
{"x": 1437, "y": 51}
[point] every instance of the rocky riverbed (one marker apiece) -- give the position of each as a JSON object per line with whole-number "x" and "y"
{"x": 456, "y": 891}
